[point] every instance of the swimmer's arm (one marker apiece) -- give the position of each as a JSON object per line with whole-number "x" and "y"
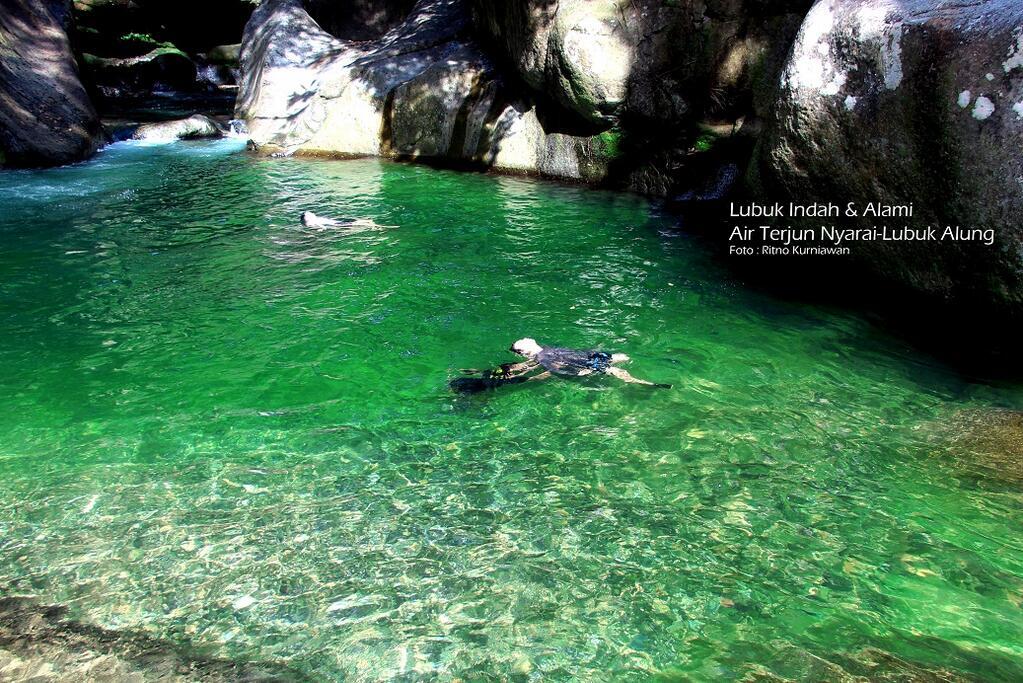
{"x": 516, "y": 369}
{"x": 508, "y": 369}
{"x": 538, "y": 378}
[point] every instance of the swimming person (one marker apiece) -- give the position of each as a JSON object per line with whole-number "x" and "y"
{"x": 553, "y": 361}
{"x": 311, "y": 220}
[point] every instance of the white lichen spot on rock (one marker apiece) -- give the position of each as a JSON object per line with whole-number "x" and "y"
{"x": 1018, "y": 108}
{"x": 1015, "y": 59}
{"x": 983, "y": 108}
{"x": 850, "y": 102}
{"x": 990, "y": 77}
{"x": 891, "y": 57}
{"x": 964, "y": 99}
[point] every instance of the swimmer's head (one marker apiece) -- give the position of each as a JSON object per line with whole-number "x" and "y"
{"x": 526, "y": 347}
{"x": 308, "y": 216}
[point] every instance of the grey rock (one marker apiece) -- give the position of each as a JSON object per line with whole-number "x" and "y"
{"x": 651, "y": 77}
{"x": 193, "y": 127}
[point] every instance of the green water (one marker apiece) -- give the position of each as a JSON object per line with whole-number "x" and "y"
{"x": 233, "y": 433}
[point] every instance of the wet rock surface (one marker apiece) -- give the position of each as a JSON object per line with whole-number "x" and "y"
{"x": 46, "y": 117}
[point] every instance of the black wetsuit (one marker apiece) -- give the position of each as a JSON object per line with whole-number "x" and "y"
{"x": 572, "y": 363}
{"x": 491, "y": 379}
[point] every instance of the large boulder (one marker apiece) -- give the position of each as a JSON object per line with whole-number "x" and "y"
{"x": 46, "y": 117}
{"x": 917, "y": 102}
{"x": 421, "y": 90}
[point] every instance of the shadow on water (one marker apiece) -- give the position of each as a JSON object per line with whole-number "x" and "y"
{"x": 979, "y": 342}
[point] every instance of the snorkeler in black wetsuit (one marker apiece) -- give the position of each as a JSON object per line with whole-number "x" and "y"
{"x": 553, "y": 361}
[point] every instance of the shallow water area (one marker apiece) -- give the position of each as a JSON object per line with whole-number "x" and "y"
{"x": 230, "y": 431}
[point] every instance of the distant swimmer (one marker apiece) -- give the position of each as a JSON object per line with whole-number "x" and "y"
{"x": 550, "y": 360}
{"x": 311, "y": 220}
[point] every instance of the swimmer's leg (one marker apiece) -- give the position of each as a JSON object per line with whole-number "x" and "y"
{"x": 368, "y": 223}
{"x": 539, "y": 378}
{"x": 626, "y": 377}
{"x": 619, "y": 358}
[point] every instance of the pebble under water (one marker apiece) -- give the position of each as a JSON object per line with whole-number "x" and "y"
{"x": 231, "y": 432}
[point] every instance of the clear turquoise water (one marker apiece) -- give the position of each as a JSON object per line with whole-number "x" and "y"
{"x": 231, "y": 432}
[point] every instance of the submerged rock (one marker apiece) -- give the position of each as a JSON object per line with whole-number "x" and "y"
{"x": 912, "y": 103}
{"x": 195, "y": 126}
{"x": 39, "y": 644}
{"x": 422, "y": 90}
{"x": 988, "y": 442}
{"x": 46, "y": 117}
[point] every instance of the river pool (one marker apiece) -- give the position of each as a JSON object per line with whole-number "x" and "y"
{"x": 234, "y": 433}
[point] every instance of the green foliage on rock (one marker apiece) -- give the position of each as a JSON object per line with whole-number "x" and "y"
{"x": 705, "y": 142}
{"x": 611, "y": 143}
